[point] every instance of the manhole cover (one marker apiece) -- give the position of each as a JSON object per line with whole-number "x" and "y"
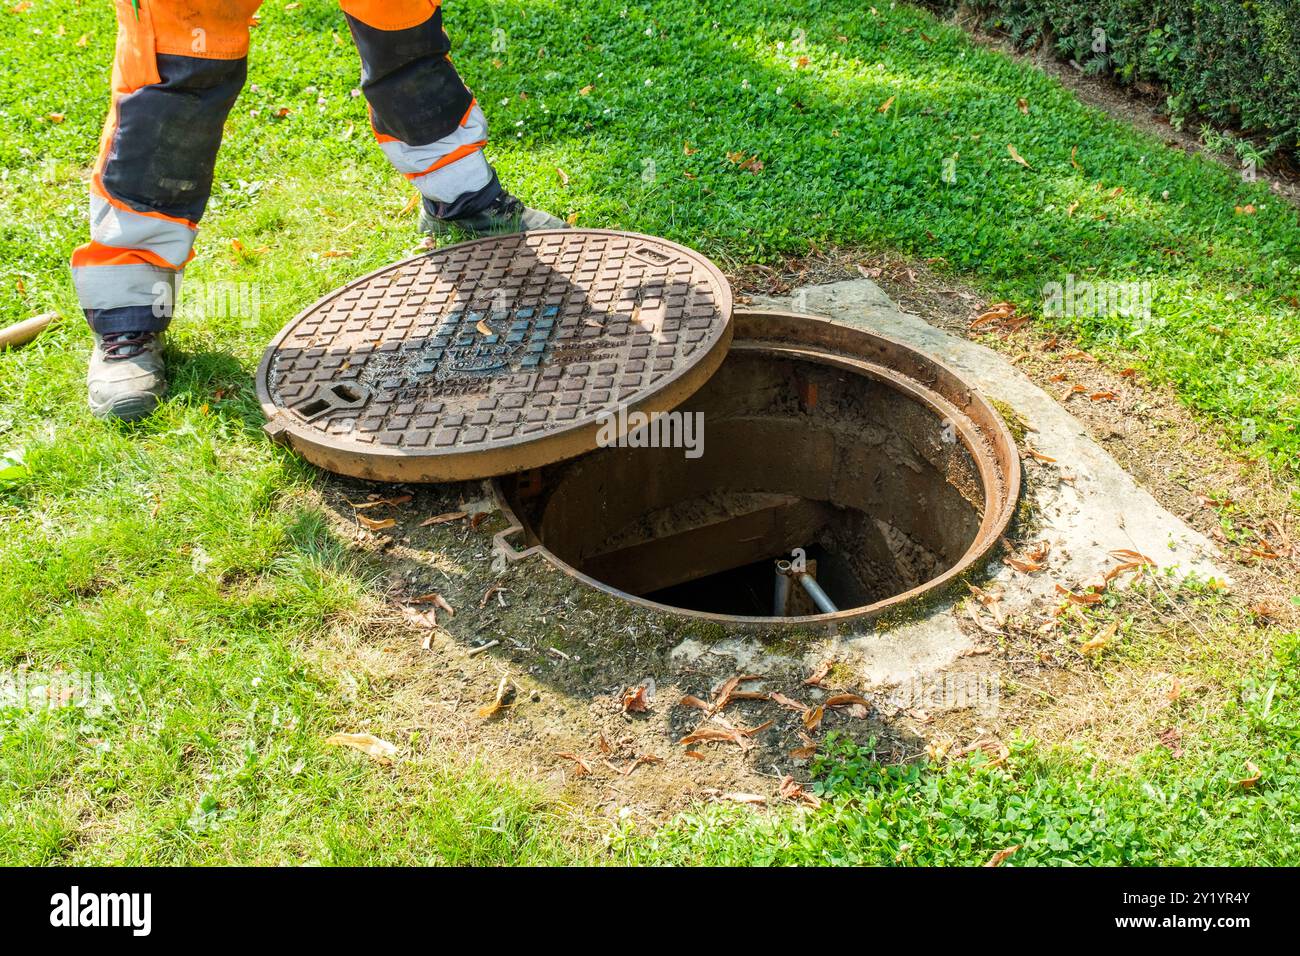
{"x": 494, "y": 356}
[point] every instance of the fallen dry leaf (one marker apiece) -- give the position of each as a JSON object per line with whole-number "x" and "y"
{"x": 1022, "y": 104}
{"x": 844, "y": 700}
{"x": 1088, "y": 648}
{"x": 376, "y": 524}
{"x": 436, "y": 599}
{"x": 505, "y": 691}
{"x": 368, "y": 744}
{"x": 997, "y": 859}
{"x": 884, "y": 107}
{"x": 1017, "y": 157}
{"x": 396, "y": 502}
{"x": 778, "y": 698}
{"x": 444, "y": 518}
{"x": 736, "y": 735}
{"x": 790, "y": 790}
{"x": 1255, "y": 776}
{"x": 634, "y": 702}
{"x": 813, "y": 718}
{"x": 581, "y": 767}
{"x": 819, "y": 675}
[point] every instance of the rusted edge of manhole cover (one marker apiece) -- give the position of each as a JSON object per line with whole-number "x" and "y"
{"x": 494, "y": 356}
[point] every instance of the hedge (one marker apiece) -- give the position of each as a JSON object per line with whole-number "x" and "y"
{"x": 1235, "y": 63}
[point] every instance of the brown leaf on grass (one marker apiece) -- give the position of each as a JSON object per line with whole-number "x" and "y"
{"x": 487, "y": 595}
{"x": 477, "y": 518}
{"x": 884, "y": 107}
{"x": 376, "y": 524}
{"x": 1069, "y": 210}
{"x": 688, "y": 149}
{"x": 1017, "y": 157}
{"x": 634, "y": 701}
{"x": 819, "y": 675}
{"x": 1022, "y": 104}
{"x": 790, "y": 790}
{"x": 411, "y": 204}
{"x": 1087, "y": 597}
{"x": 813, "y": 718}
{"x": 581, "y": 768}
{"x": 368, "y": 744}
{"x": 571, "y": 219}
{"x": 1099, "y": 642}
{"x": 997, "y": 859}
{"x": 750, "y": 798}
{"x": 444, "y": 518}
{"x": 336, "y": 254}
{"x": 586, "y": 90}
{"x": 1074, "y": 152}
{"x": 603, "y": 745}
{"x": 1255, "y": 776}
{"x": 805, "y": 752}
{"x": 994, "y": 313}
{"x": 505, "y": 693}
{"x": 1172, "y": 740}
{"x": 564, "y": 177}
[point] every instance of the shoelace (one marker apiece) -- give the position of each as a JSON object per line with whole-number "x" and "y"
{"x": 125, "y": 345}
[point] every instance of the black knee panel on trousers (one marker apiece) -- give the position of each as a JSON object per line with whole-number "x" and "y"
{"x": 168, "y": 134}
{"x": 414, "y": 92}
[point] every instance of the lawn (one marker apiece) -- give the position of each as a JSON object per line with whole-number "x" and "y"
{"x": 185, "y": 560}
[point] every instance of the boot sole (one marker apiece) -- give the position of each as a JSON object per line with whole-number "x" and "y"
{"x": 130, "y": 407}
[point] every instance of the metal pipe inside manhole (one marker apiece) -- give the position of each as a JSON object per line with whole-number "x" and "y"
{"x": 870, "y": 471}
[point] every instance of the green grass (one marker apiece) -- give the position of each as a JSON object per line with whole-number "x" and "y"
{"x": 214, "y": 750}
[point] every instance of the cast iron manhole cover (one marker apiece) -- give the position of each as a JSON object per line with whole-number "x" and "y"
{"x": 494, "y": 356}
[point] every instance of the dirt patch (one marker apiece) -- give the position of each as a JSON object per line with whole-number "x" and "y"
{"x": 572, "y": 654}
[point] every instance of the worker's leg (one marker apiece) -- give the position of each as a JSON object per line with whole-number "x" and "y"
{"x": 426, "y": 120}
{"x": 177, "y": 70}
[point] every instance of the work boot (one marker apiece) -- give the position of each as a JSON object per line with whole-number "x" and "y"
{"x": 126, "y": 380}
{"x": 504, "y": 214}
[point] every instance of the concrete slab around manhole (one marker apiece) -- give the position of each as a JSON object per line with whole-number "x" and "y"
{"x": 1102, "y": 510}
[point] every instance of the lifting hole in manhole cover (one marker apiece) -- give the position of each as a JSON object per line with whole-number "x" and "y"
{"x": 872, "y": 464}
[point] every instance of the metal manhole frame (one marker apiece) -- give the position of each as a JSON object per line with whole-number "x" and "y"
{"x": 816, "y": 338}
{"x": 519, "y": 453}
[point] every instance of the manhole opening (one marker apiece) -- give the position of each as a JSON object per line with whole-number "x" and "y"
{"x": 866, "y": 474}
